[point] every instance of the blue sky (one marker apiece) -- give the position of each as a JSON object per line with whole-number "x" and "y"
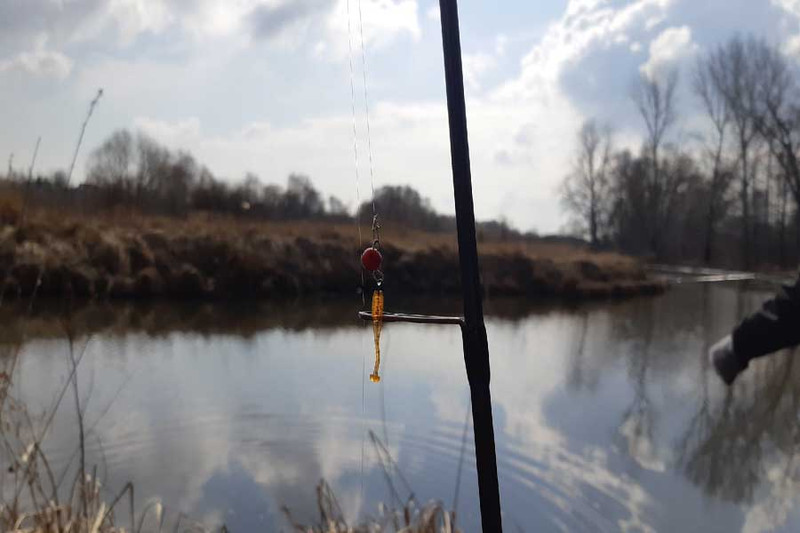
{"x": 263, "y": 86}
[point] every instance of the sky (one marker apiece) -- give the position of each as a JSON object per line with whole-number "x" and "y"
{"x": 264, "y": 86}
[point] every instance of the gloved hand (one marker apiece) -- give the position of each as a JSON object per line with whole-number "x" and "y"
{"x": 724, "y": 360}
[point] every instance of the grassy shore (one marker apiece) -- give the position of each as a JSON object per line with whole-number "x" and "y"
{"x": 127, "y": 255}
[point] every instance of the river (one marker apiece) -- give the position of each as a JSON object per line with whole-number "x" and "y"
{"x": 607, "y": 415}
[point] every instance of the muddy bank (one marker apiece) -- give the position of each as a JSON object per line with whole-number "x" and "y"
{"x": 104, "y": 260}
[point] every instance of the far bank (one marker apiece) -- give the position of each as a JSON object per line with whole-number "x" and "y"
{"x": 129, "y": 256}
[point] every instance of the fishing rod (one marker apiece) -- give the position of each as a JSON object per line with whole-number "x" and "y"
{"x": 473, "y": 329}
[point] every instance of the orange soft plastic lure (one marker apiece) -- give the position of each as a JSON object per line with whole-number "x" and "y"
{"x": 377, "y": 324}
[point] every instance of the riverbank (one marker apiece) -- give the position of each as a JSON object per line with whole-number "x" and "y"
{"x": 128, "y": 256}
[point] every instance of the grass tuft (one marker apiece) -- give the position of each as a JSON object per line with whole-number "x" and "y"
{"x": 410, "y": 518}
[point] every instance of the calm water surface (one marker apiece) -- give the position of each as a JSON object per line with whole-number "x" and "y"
{"x": 607, "y": 415}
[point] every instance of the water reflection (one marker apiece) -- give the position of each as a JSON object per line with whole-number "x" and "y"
{"x": 731, "y": 447}
{"x": 608, "y": 416}
{"x": 244, "y": 319}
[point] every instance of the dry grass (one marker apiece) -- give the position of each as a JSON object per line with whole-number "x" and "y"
{"x": 430, "y": 518}
{"x": 408, "y": 239}
{"x": 407, "y": 518}
{"x": 124, "y": 254}
{"x": 32, "y": 501}
{"x": 11, "y": 205}
{"x": 34, "y": 498}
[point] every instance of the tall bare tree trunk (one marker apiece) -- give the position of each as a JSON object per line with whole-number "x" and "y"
{"x": 797, "y": 232}
{"x": 767, "y": 213}
{"x": 593, "y": 223}
{"x": 655, "y": 99}
{"x": 782, "y": 226}
{"x": 709, "y": 236}
{"x": 745, "y": 199}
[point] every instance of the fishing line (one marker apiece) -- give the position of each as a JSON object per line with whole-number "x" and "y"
{"x": 461, "y": 457}
{"x": 375, "y": 226}
{"x": 355, "y": 142}
{"x": 383, "y": 391}
{"x": 366, "y": 107}
{"x": 360, "y": 237}
{"x": 363, "y": 410}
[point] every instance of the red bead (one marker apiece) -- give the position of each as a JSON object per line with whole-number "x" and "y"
{"x": 371, "y": 259}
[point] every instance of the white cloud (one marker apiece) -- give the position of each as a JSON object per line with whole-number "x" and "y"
{"x": 475, "y": 66}
{"x": 792, "y": 47}
{"x": 119, "y": 22}
{"x": 671, "y": 45}
{"x": 790, "y": 6}
{"x": 294, "y": 21}
{"x": 500, "y": 44}
{"x": 587, "y": 24}
{"x": 654, "y": 21}
{"x": 133, "y": 17}
{"x": 240, "y": 21}
{"x": 39, "y": 62}
{"x": 433, "y": 13}
{"x": 116, "y": 21}
{"x": 200, "y": 19}
{"x": 286, "y": 20}
{"x": 383, "y": 22}
{"x": 171, "y": 133}
{"x": 216, "y": 18}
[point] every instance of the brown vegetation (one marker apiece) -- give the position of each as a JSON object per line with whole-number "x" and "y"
{"x": 430, "y": 518}
{"x": 123, "y": 255}
{"x": 10, "y": 207}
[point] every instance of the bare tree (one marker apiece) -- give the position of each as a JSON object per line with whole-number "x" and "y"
{"x": 783, "y": 213}
{"x": 716, "y": 108}
{"x": 113, "y": 162}
{"x": 152, "y": 161}
{"x": 174, "y": 186}
{"x": 655, "y": 98}
{"x": 336, "y": 207}
{"x": 301, "y": 198}
{"x": 734, "y": 71}
{"x": 775, "y": 112}
{"x": 585, "y": 191}
{"x": 252, "y": 185}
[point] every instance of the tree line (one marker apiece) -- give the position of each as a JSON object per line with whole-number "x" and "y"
{"x": 134, "y": 171}
{"x": 728, "y": 194}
